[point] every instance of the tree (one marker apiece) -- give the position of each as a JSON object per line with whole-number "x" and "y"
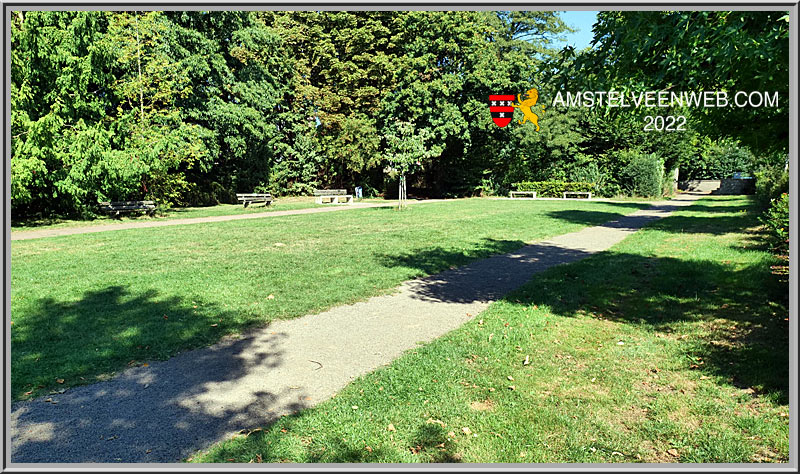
{"x": 344, "y": 65}
{"x": 405, "y": 150}
{"x": 242, "y": 78}
{"x": 701, "y": 50}
{"x": 450, "y": 63}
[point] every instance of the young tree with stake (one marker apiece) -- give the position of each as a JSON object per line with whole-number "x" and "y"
{"x": 405, "y": 150}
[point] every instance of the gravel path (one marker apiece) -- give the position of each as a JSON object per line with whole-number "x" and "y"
{"x": 39, "y": 234}
{"x": 168, "y": 410}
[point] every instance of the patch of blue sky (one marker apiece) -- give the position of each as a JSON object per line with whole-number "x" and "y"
{"x": 582, "y": 22}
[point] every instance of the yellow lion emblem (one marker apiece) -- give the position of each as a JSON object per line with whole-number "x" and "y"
{"x": 526, "y": 105}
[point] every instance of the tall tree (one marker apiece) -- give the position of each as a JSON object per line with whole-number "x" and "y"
{"x": 242, "y": 91}
{"x": 702, "y": 50}
{"x": 344, "y": 65}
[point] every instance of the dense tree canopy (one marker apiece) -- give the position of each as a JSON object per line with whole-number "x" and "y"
{"x": 701, "y": 50}
{"x": 190, "y": 107}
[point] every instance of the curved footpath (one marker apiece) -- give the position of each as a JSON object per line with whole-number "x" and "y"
{"x": 167, "y": 411}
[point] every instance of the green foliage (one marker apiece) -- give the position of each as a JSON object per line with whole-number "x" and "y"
{"x": 104, "y": 123}
{"x": 406, "y": 149}
{"x": 643, "y": 175}
{"x": 450, "y": 63}
{"x": 776, "y": 222}
{"x": 586, "y": 169}
{"x": 297, "y": 171}
{"x": 344, "y": 64}
{"x": 701, "y": 50}
{"x": 771, "y": 183}
{"x": 191, "y": 107}
{"x": 554, "y": 188}
{"x": 718, "y": 160}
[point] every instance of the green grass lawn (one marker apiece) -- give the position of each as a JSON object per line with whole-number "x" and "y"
{"x": 85, "y": 306}
{"x": 670, "y": 347}
{"x": 280, "y": 204}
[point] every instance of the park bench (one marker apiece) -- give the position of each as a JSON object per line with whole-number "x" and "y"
{"x": 332, "y": 196}
{"x": 116, "y": 207}
{"x": 517, "y": 194}
{"x": 579, "y": 193}
{"x": 246, "y": 199}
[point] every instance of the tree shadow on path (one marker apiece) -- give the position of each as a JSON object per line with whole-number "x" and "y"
{"x": 154, "y": 412}
{"x": 511, "y": 264}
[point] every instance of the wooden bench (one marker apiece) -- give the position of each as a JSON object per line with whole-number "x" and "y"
{"x": 581, "y": 193}
{"x": 332, "y": 196}
{"x": 246, "y": 199}
{"x": 516, "y": 194}
{"x": 116, "y": 207}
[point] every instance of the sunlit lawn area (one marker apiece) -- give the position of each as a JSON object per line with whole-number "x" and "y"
{"x": 281, "y": 204}
{"x": 670, "y": 347}
{"x": 84, "y": 306}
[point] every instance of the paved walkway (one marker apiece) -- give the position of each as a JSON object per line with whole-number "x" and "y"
{"x": 165, "y": 412}
{"x": 39, "y": 234}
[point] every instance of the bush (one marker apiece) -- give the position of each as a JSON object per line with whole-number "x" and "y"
{"x": 554, "y": 188}
{"x": 487, "y": 187}
{"x": 718, "y": 160}
{"x": 643, "y": 175}
{"x": 585, "y": 170}
{"x": 668, "y": 185}
{"x": 771, "y": 183}
{"x": 776, "y": 221}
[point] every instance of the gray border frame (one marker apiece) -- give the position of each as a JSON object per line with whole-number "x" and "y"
{"x": 792, "y": 7}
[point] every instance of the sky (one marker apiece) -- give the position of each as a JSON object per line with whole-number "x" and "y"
{"x": 581, "y": 21}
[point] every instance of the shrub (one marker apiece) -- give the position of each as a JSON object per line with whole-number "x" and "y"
{"x": 718, "y": 160}
{"x": 668, "y": 183}
{"x": 643, "y": 175}
{"x": 612, "y": 190}
{"x": 776, "y": 221}
{"x": 587, "y": 171}
{"x": 771, "y": 183}
{"x": 487, "y": 187}
{"x": 554, "y": 188}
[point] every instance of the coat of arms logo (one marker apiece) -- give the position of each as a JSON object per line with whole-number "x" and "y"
{"x": 502, "y": 108}
{"x": 500, "y": 105}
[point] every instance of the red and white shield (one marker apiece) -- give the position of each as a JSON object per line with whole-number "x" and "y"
{"x": 501, "y": 109}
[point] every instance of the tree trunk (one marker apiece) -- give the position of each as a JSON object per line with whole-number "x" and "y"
{"x": 674, "y": 184}
{"x": 401, "y": 193}
{"x": 139, "y": 62}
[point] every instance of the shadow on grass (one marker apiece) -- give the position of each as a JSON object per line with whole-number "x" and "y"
{"x": 729, "y": 217}
{"x": 429, "y": 440}
{"x": 153, "y": 412}
{"x": 437, "y": 259}
{"x": 37, "y": 222}
{"x": 741, "y": 309}
{"x": 103, "y": 331}
{"x": 277, "y": 443}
